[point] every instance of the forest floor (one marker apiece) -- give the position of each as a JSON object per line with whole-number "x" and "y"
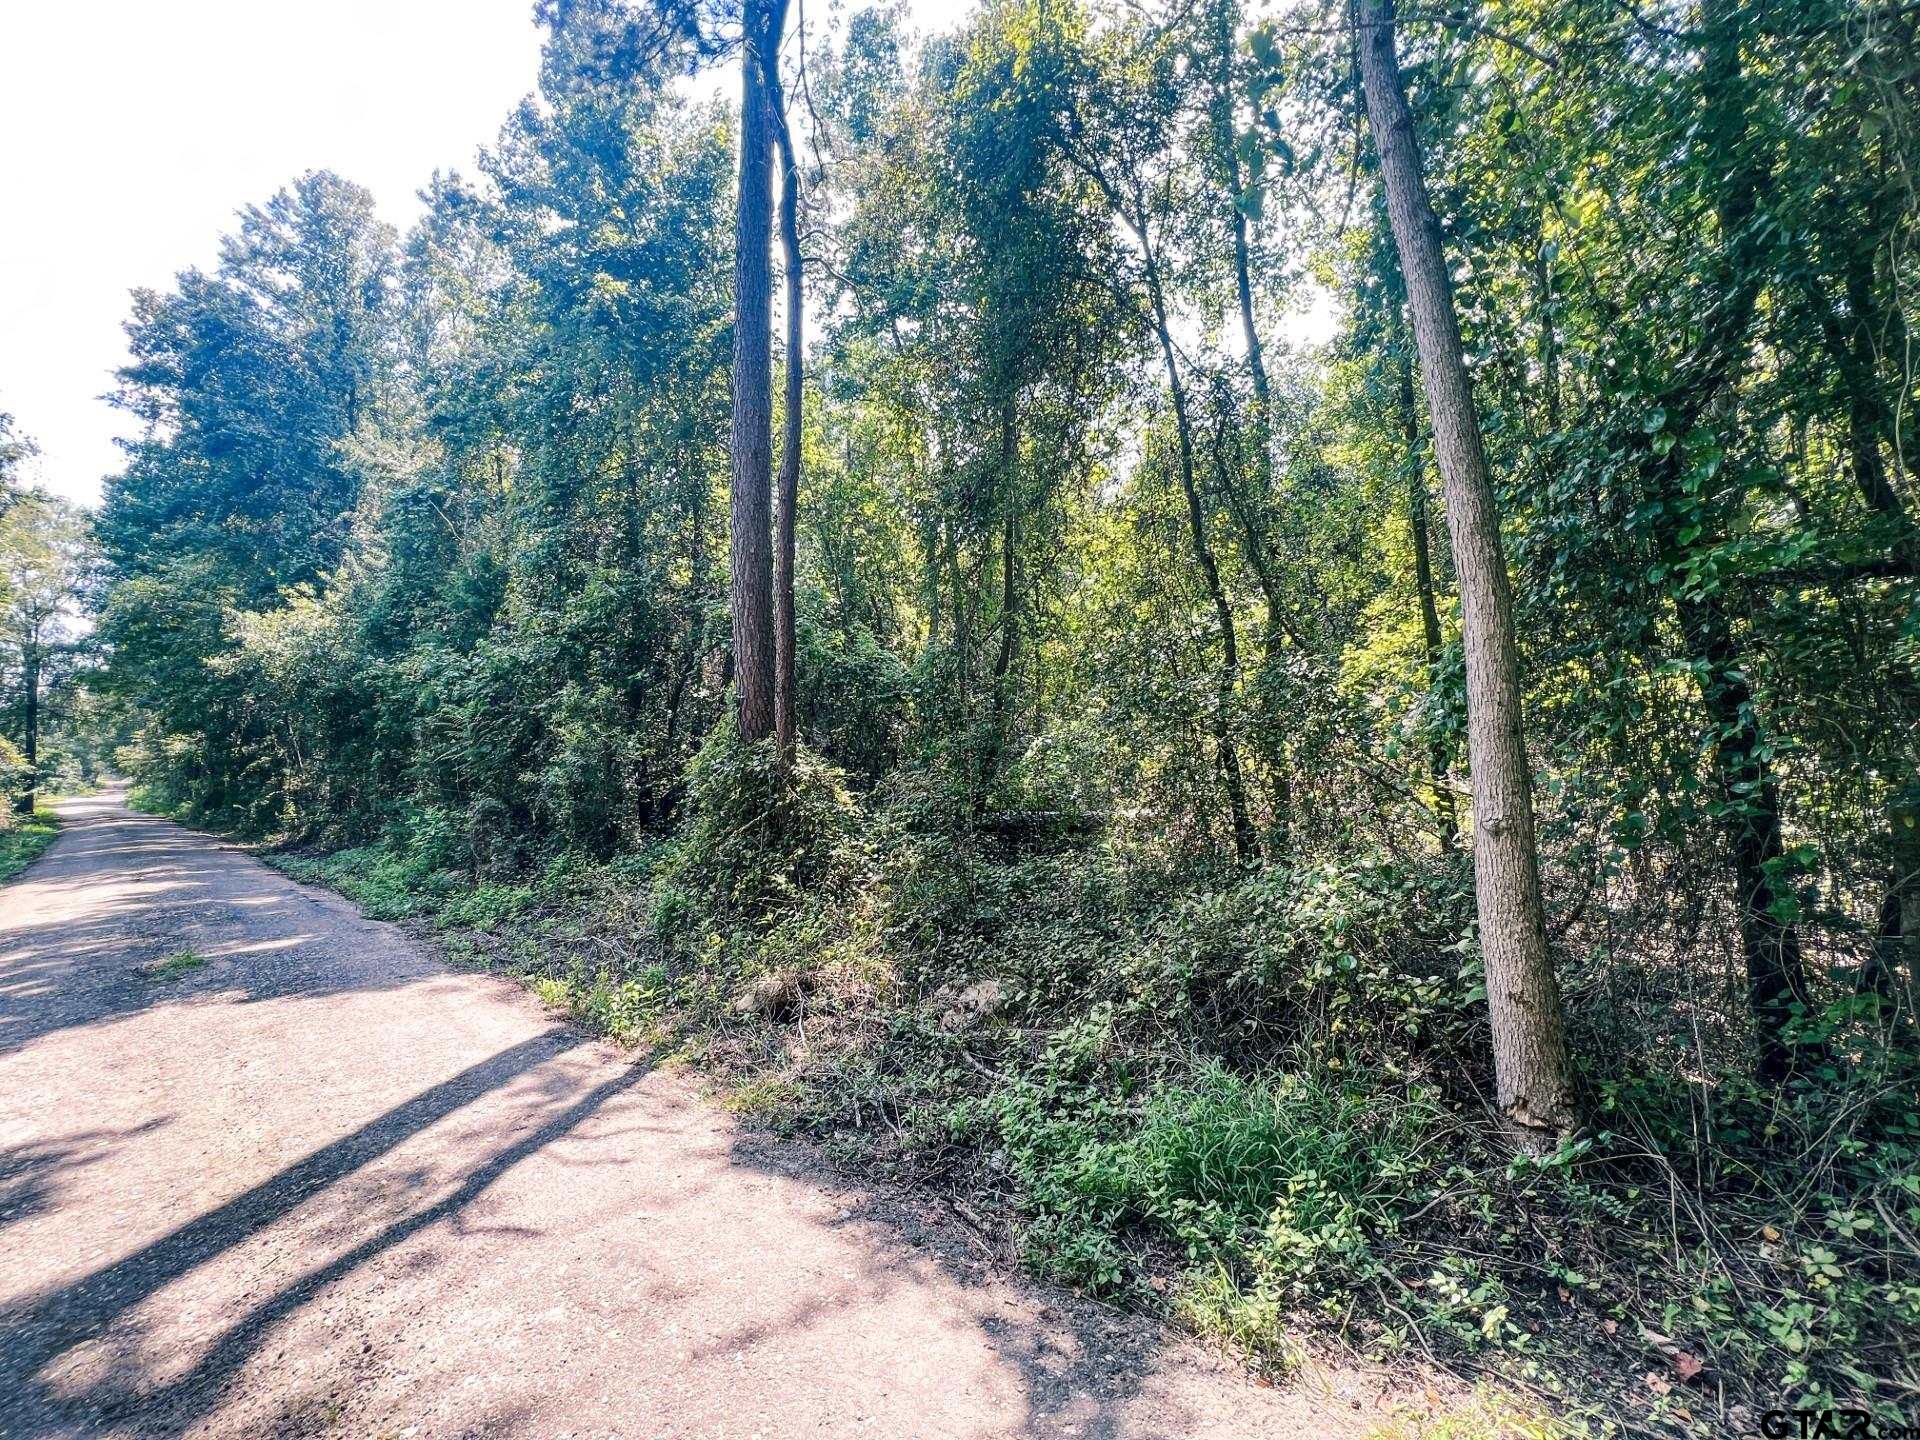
{"x": 268, "y": 1168}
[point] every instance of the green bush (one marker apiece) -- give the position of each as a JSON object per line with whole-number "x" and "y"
{"x": 757, "y": 837}
{"x": 1286, "y": 1178}
{"x": 13, "y": 770}
{"x": 22, "y": 839}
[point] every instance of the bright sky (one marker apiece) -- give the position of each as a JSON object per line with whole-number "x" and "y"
{"x": 134, "y": 129}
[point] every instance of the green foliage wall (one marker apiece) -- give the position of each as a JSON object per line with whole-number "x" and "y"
{"x": 427, "y": 532}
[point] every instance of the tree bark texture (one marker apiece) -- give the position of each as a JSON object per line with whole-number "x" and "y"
{"x": 31, "y": 679}
{"x": 750, "y": 551}
{"x": 1532, "y": 1070}
{"x": 786, "y": 721}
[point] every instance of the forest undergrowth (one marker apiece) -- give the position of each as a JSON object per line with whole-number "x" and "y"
{"x": 22, "y": 842}
{"x": 1253, "y": 1101}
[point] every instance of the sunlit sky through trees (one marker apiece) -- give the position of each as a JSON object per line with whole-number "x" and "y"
{"x": 135, "y": 130}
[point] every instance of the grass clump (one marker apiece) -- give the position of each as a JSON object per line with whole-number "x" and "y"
{"x": 1486, "y": 1414}
{"x": 1271, "y": 1196}
{"x": 173, "y": 966}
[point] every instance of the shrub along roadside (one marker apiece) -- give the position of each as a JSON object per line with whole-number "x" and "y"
{"x": 1248, "y": 1101}
{"x": 23, "y": 837}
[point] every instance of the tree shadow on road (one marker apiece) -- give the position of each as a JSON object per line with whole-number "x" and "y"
{"x": 32, "y": 1172}
{"x": 39, "y": 1331}
{"x": 84, "y": 1355}
{"x": 1078, "y": 1367}
{"x": 145, "y": 889}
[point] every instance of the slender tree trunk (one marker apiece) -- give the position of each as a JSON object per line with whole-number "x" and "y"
{"x": 1532, "y": 1071}
{"x": 1869, "y": 423}
{"x": 31, "y": 678}
{"x": 1876, "y": 325}
{"x": 1221, "y": 117}
{"x": 1549, "y": 348}
{"x": 751, "y": 541}
{"x": 1226, "y": 752}
{"x": 1417, "y": 524}
{"x": 1243, "y": 281}
{"x": 1776, "y": 970}
{"x": 786, "y": 721}
{"x": 1252, "y": 542}
{"x": 1009, "y": 590}
{"x": 1874, "y": 421}
{"x": 1903, "y": 892}
{"x": 1251, "y": 517}
{"x": 1262, "y": 420}
{"x": 1892, "y": 970}
{"x": 689, "y": 656}
{"x": 1253, "y": 546}
{"x": 1869, "y": 418}
{"x": 1227, "y": 755}
{"x": 1751, "y": 814}
{"x": 1889, "y": 973}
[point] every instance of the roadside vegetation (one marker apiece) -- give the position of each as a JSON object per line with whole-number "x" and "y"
{"x": 1038, "y": 1037}
{"x": 53, "y": 731}
{"x": 24, "y": 833}
{"x": 23, "y": 837}
{"x": 1304, "y": 700}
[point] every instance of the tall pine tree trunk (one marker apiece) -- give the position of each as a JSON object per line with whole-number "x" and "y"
{"x": 786, "y": 722}
{"x": 1532, "y": 1072}
{"x": 751, "y": 542}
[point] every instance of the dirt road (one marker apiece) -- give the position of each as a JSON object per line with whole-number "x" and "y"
{"x": 318, "y": 1184}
